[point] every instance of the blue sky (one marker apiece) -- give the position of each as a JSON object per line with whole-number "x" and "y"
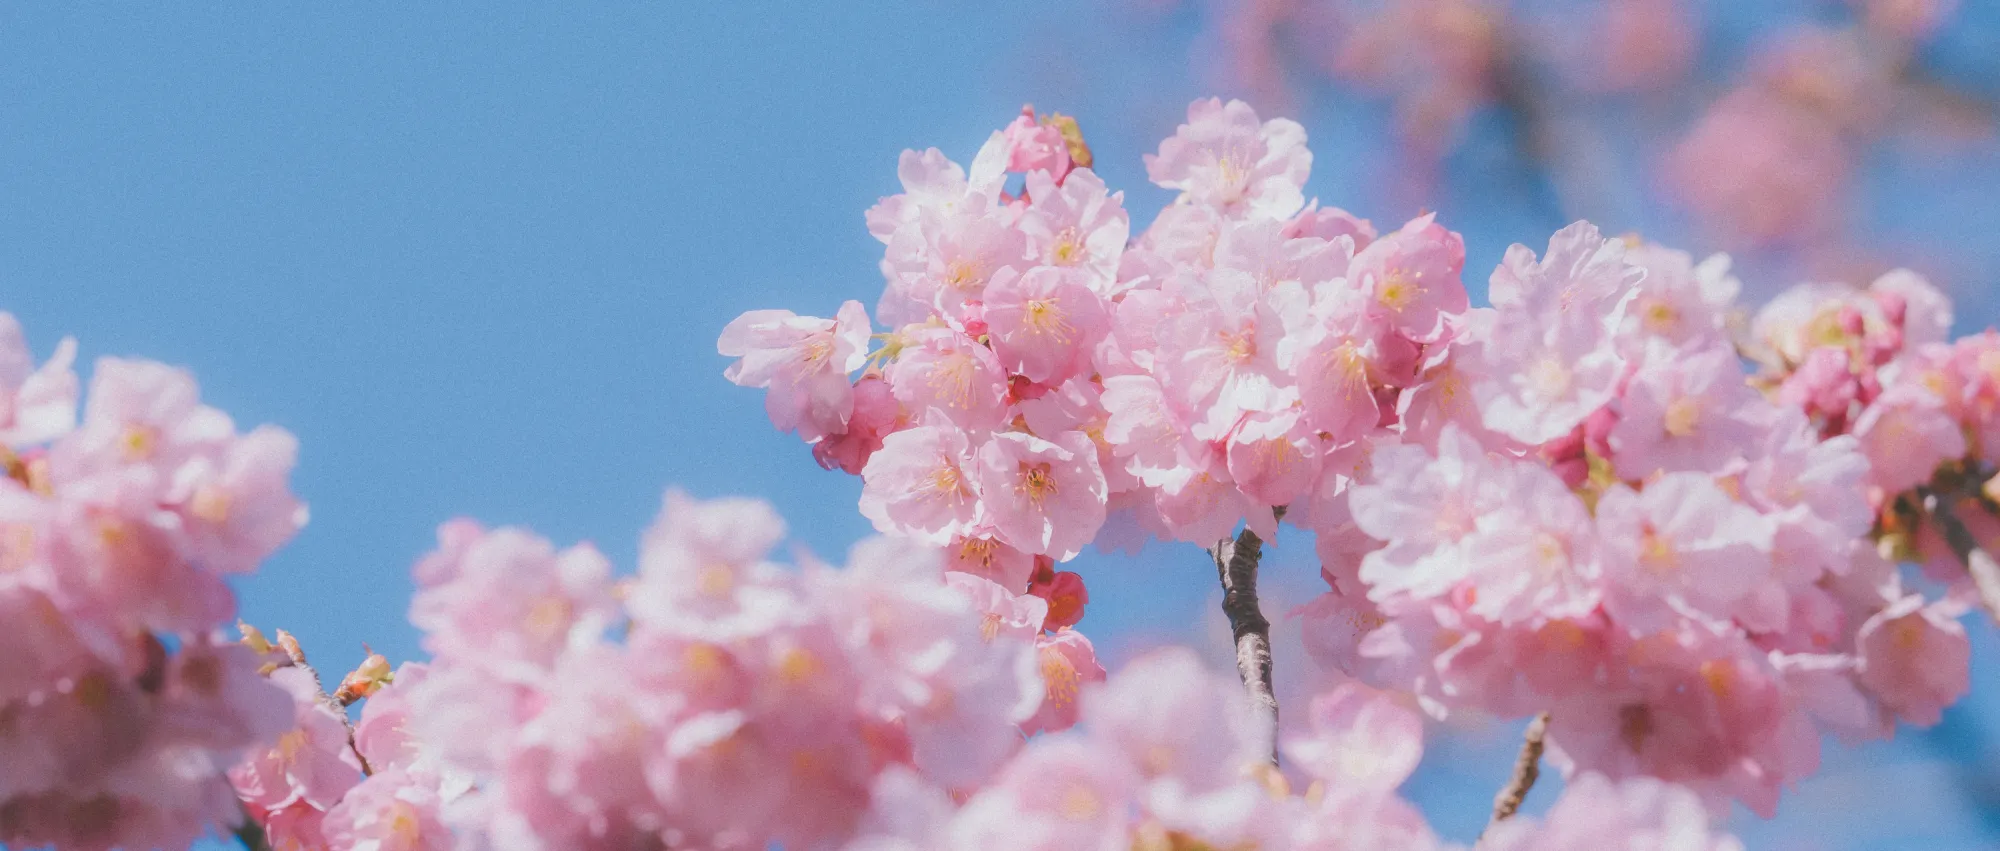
{"x": 477, "y": 260}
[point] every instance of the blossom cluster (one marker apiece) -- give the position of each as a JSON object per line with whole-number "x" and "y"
{"x": 1878, "y": 363}
{"x": 121, "y": 706}
{"x": 1623, "y": 531}
{"x": 717, "y": 700}
{"x": 1575, "y": 500}
{"x": 1046, "y": 374}
{"x": 1761, "y": 136}
{"x": 1172, "y": 759}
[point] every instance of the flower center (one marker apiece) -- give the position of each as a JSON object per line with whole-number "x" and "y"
{"x": 1068, "y": 250}
{"x": 715, "y": 580}
{"x": 138, "y": 441}
{"x": 1549, "y": 378}
{"x": 963, "y": 274}
{"x": 1239, "y": 347}
{"x": 1399, "y": 291}
{"x": 1080, "y": 804}
{"x": 1682, "y": 416}
{"x": 1044, "y": 317}
{"x": 951, "y": 380}
{"x": 1060, "y": 677}
{"x": 1656, "y": 552}
{"x": 1660, "y": 318}
{"x": 1037, "y": 483}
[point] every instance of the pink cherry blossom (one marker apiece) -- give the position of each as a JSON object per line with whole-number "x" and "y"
{"x": 802, "y": 362}
{"x": 1224, "y": 158}
{"x": 1412, "y": 277}
{"x": 1596, "y": 813}
{"x": 238, "y": 509}
{"x": 509, "y": 596}
{"x": 1905, "y": 435}
{"x": 1360, "y": 739}
{"x": 942, "y": 370}
{"x": 1682, "y": 541}
{"x": 1061, "y": 794}
{"x": 1550, "y": 359}
{"x": 932, "y": 184}
{"x": 1915, "y": 658}
{"x": 1679, "y": 300}
{"x": 1535, "y": 557}
{"x": 1220, "y": 355}
{"x": 1330, "y": 223}
{"x": 1077, "y": 224}
{"x": 391, "y": 811}
{"x": 1036, "y": 147}
{"x": 1043, "y": 496}
{"x": 946, "y": 260}
{"x": 142, "y": 415}
{"x": 1069, "y": 667}
{"x": 1274, "y": 458}
{"x": 1173, "y": 718}
{"x": 702, "y": 573}
{"x": 922, "y": 484}
{"x": 1045, "y": 323}
{"x": 311, "y": 763}
{"x": 37, "y": 404}
{"x": 1685, "y": 410}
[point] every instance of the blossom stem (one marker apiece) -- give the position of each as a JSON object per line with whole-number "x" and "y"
{"x": 1527, "y": 769}
{"x": 1236, "y": 566}
{"x": 297, "y": 655}
{"x": 1985, "y": 572}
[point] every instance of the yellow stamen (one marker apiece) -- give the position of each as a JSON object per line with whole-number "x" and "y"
{"x": 1682, "y": 416}
{"x": 139, "y": 441}
{"x": 1399, "y": 290}
{"x": 715, "y": 580}
{"x": 1037, "y": 483}
{"x": 210, "y": 503}
{"x": 951, "y": 380}
{"x": 1060, "y": 678}
{"x": 1044, "y": 317}
{"x": 1068, "y": 250}
{"x": 1079, "y": 803}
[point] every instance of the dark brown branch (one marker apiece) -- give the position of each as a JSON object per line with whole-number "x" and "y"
{"x": 1527, "y": 769}
{"x": 1236, "y": 566}
{"x": 1985, "y": 572}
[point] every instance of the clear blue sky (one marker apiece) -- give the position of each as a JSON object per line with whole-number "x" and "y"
{"x": 477, "y": 260}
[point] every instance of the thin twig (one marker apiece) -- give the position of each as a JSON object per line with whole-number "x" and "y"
{"x": 1527, "y": 768}
{"x": 1236, "y": 566}
{"x": 1985, "y": 573}
{"x": 298, "y": 656}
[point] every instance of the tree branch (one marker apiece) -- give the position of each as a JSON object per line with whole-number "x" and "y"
{"x": 1236, "y": 566}
{"x": 1985, "y": 572}
{"x": 1527, "y": 769}
{"x": 297, "y": 655}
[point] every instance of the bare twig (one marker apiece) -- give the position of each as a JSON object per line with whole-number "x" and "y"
{"x": 1236, "y": 566}
{"x": 298, "y": 656}
{"x": 1985, "y": 572}
{"x": 1527, "y": 768}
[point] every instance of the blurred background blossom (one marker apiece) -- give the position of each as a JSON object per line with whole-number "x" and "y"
{"x": 1812, "y": 138}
